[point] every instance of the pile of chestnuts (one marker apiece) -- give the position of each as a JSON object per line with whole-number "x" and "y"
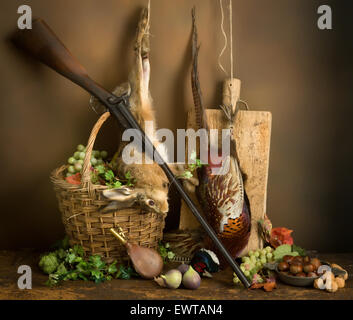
{"x": 299, "y": 266}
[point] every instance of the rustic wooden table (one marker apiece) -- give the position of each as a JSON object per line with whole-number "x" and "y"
{"x": 220, "y": 287}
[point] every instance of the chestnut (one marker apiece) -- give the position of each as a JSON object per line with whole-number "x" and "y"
{"x": 306, "y": 259}
{"x": 311, "y": 275}
{"x": 298, "y": 259}
{"x": 283, "y": 266}
{"x": 296, "y": 268}
{"x": 288, "y": 259}
{"x": 316, "y": 263}
{"x": 308, "y": 267}
{"x": 300, "y": 274}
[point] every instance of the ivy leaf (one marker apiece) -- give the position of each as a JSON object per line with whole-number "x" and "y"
{"x": 125, "y": 272}
{"x": 115, "y": 185}
{"x": 112, "y": 268}
{"x": 70, "y": 258}
{"x": 83, "y": 277}
{"x": 109, "y": 175}
{"x": 97, "y": 262}
{"x": 170, "y": 255}
{"x": 82, "y": 267}
{"x": 96, "y": 274}
{"x": 100, "y": 169}
{"x": 301, "y": 251}
{"x": 187, "y": 174}
{"x": 78, "y": 250}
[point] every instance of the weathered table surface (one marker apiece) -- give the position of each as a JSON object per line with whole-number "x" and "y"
{"x": 220, "y": 287}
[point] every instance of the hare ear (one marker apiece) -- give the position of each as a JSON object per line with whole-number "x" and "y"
{"x": 115, "y": 206}
{"x": 120, "y": 194}
{"x": 121, "y": 198}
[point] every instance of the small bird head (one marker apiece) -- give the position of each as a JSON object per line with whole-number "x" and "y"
{"x": 205, "y": 262}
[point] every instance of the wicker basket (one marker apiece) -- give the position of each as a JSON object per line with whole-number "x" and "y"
{"x": 86, "y": 226}
{"x": 184, "y": 243}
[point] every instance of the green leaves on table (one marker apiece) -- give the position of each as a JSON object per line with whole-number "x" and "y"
{"x": 70, "y": 264}
{"x": 287, "y": 249}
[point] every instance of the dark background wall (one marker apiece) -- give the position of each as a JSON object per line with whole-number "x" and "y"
{"x": 287, "y": 65}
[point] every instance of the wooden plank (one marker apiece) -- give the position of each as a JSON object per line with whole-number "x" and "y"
{"x": 252, "y": 134}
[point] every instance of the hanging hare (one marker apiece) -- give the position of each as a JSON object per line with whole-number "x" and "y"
{"x": 151, "y": 185}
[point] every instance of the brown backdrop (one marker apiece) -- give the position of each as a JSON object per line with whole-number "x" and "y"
{"x": 287, "y": 66}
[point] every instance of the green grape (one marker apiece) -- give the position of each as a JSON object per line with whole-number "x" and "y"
{"x": 82, "y": 155}
{"x": 94, "y": 161}
{"x": 242, "y": 268}
{"x": 247, "y": 273}
{"x": 256, "y": 254}
{"x": 268, "y": 249}
{"x": 263, "y": 256}
{"x": 95, "y": 153}
{"x": 269, "y": 256}
{"x": 104, "y": 154}
{"x": 251, "y": 253}
{"x": 71, "y": 169}
{"x": 245, "y": 259}
{"x": 248, "y": 266}
{"x": 258, "y": 265}
{"x": 78, "y": 167}
{"x": 68, "y": 175}
{"x": 99, "y": 162}
{"x": 80, "y": 147}
{"x": 263, "y": 252}
{"x": 253, "y": 259}
{"x": 71, "y": 160}
{"x": 77, "y": 155}
{"x": 236, "y": 280}
{"x": 263, "y": 260}
{"x": 80, "y": 161}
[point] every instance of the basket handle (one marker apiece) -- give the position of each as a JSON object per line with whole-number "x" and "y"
{"x": 86, "y": 171}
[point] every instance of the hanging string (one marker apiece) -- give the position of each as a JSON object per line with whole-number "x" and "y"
{"x": 225, "y": 40}
{"x": 231, "y": 37}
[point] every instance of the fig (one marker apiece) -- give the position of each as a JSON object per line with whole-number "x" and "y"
{"x": 191, "y": 279}
{"x": 183, "y": 268}
{"x": 172, "y": 279}
{"x": 316, "y": 263}
{"x": 308, "y": 267}
{"x": 296, "y": 268}
{"x": 283, "y": 266}
{"x": 288, "y": 259}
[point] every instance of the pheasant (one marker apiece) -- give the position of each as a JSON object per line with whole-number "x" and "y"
{"x": 222, "y": 197}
